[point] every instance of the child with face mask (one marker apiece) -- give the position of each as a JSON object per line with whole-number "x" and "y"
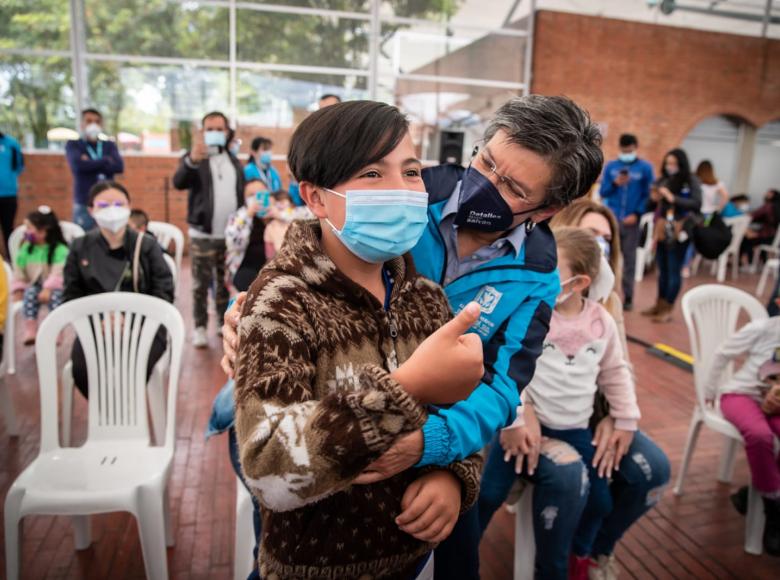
{"x": 340, "y": 347}
{"x": 39, "y": 265}
{"x": 282, "y": 214}
{"x": 582, "y": 354}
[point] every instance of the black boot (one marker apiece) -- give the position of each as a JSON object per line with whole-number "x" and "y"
{"x": 739, "y": 499}
{"x": 772, "y": 526}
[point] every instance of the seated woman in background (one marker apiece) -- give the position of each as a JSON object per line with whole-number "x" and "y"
{"x": 114, "y": 258}
{"x": 38, "y": 268}
{"x": 244, "y": 237}
{"x": 763, "y": 228}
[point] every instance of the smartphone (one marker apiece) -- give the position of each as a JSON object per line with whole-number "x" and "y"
{"x": 623, "y": 172}
{"x": 264, "y": 199}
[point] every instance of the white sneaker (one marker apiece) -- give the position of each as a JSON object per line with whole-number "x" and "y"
{"x": 606, "y": 568}
{"x": 199, "y": 337}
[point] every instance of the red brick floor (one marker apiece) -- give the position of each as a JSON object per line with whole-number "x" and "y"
{"x": 696, "y": 536}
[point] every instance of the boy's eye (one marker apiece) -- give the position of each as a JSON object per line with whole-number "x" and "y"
{"x": 371, "y": 173}
{"x": 413, "y": 173}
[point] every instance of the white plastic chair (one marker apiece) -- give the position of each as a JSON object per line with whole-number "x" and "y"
{"x": 771, "y": 266}
{"x": 166, "y": 233}
{"x": 70, "y": 232}
{"x": 244, "y": 544}
{"x": 525, "y": 543}
{"x": 6, "y": 399}
{"x": 644, "y": 253}
{"x": 116, "y": 469}
{"x": 771, "y": 250}
{"x": 739, "y": 226}
{"x": 156, "y": 386}
{"x": 711, "y": 312}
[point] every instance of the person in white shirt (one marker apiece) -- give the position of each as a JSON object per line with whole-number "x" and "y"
{"x": 750, "y": 400}
{"x": 215, "y": 180}
{"x": 714, "y": 195}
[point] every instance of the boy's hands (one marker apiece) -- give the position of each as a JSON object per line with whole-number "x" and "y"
{"x": 431, "y": 505}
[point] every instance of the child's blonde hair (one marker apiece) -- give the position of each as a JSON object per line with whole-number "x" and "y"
{"x": 582, "y": 250}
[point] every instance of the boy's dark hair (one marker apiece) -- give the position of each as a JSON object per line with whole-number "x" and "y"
{"x": 91, "y": 110}
{"x": 139, "y": 218}
{"x": 45, "y": 219}
{"x": 627, "y": 140}
{"x": 329, "y": 96}
{"x": 261, "y": 143}
{"x": 739, "y": 197}
{"x": 102, "y": 186}
{"x": 560, "y": 131}
{"x": 331, "y": 145}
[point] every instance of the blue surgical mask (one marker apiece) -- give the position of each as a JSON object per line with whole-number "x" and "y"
{"x": 481, "y": 206}
{"x": 627, "y": 157}
{"x": 382, "y": 224}
{"x": 214, "y": 138}
{"x": 266, "y": 157}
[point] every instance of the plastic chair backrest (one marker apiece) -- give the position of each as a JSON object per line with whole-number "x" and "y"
{"x": 116, "y": 330}
{"x": 165, "y": 234}
{"x": 711, "y": 313}
{"x": 739, "y": 226}
{"x": 9, "y": 317}
{"x": 172, "y": 267}
{"x": 70, "y": 232}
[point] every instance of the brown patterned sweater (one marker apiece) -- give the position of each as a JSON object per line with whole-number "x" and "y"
{"x": 315, "y": 405}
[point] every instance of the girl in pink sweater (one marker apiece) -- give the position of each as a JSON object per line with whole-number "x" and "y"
{"x": 582, "y": 354}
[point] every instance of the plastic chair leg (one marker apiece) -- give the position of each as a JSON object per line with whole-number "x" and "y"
{"x": 525, "y": 545}
{"x": 244, "y": 543}
{"x": 754, "y": 523}
{"x": 13, "y": 533}
{"x": 82, "y": 529}
{"x": 151, "y": 526}
{"x": 170, "y": 540}
{"x": 762, "y": 279}
{"x": 727, "y": 458}
{"x": 690, "y": 445}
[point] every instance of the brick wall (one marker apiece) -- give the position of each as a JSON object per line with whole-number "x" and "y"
{"x": 655, "y": 81}
{"x": 47, "y": 180}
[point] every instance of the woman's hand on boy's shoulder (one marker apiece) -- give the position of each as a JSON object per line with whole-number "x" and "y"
{"x": 230, "y": 335}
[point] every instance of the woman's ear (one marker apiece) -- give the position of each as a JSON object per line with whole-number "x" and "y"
{"x": 313, "y": 197}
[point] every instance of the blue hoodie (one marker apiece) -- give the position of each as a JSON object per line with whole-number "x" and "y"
{"x": 517, "y": 294}
{"x": 11, "y": 165}
{"x": 632, "y": 197}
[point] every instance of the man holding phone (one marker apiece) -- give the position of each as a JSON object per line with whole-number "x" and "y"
{"x": 215, "y": 181}
{"x": 625, "y": 188}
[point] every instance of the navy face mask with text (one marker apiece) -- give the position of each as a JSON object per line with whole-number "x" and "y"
{"x": 481, "y": 206}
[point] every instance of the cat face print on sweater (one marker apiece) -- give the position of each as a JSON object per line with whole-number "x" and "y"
{"x": 579, "y": 343}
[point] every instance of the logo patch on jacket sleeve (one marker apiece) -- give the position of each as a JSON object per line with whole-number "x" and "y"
{"x": 488, "y": 298}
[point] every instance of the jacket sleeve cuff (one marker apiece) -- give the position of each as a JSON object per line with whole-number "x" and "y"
{"x": 469, "y": 473}
{"x": 626, "y": 424}
{"x": 436, "y": 446}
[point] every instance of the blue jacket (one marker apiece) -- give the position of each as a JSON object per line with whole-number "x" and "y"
{"x": 517, "y": 295}
{"x": 270, "y": 176}
{"x": 632, "y": 197}
{"x": 11, "y": 165}
{"x": 88, "y": 171}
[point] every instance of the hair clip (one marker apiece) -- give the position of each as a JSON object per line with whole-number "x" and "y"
{"x": 44, "y": 209}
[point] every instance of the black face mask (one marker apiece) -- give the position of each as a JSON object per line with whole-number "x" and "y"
{"x": 481, "y": 206}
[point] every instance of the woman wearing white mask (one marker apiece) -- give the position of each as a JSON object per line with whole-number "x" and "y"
{"x": 114, "y": 258}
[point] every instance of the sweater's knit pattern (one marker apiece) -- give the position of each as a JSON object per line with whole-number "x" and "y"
{"x": 316, "y": 405}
